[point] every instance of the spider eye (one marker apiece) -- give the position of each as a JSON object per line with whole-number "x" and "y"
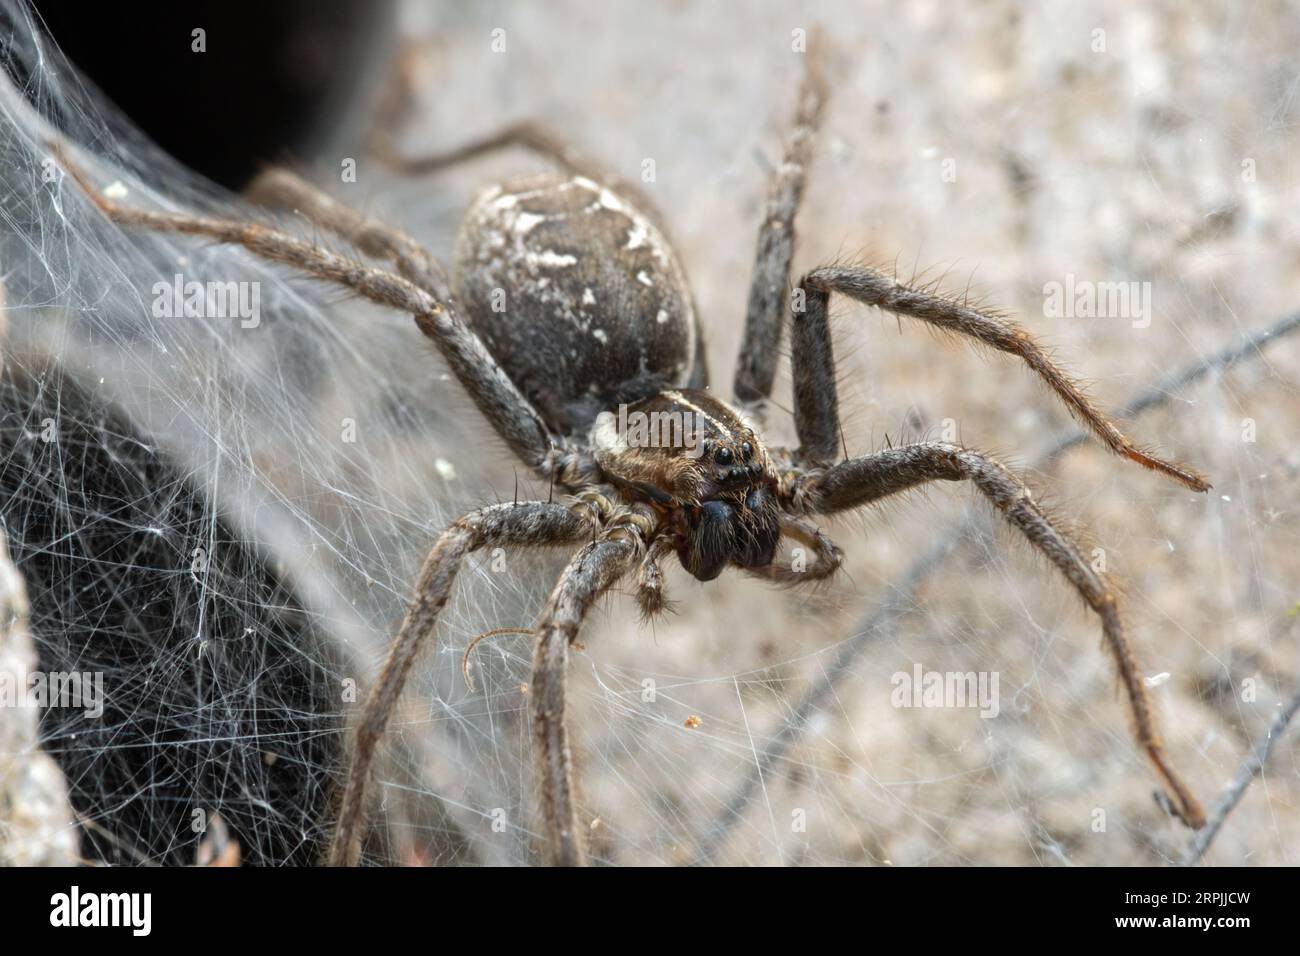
{"x": 723, "y": 456}
{"x": 746, "y": 451}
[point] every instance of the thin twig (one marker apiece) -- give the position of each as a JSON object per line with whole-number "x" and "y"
{"x": 469, "y": 649}
{"x": 902, "y": 591}
{"x": 1249, "y": 770}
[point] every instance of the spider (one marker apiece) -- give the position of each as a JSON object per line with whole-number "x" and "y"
{"x": 568, "y": 302}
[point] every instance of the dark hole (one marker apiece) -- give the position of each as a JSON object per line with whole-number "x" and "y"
{"x": 274, "y": 78}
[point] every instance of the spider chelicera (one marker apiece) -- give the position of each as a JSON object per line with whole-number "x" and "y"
{"x": 567, "y": 304}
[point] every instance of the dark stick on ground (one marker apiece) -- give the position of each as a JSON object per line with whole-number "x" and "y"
{"x": 1249, "y": 770}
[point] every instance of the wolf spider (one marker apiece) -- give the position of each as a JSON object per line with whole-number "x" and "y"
{"x": 568, "y": 301}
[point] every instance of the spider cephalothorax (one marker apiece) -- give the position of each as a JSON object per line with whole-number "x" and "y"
{"x": 701, "y": 465}
{"x": 570, "y": 326}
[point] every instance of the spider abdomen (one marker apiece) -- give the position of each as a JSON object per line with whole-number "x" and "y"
{"x": 576, "y": 293}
